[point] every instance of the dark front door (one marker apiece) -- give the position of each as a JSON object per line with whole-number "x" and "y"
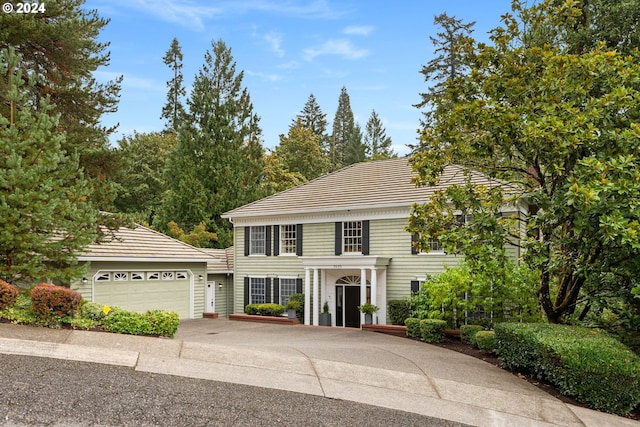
{"x": 351, "y": 303}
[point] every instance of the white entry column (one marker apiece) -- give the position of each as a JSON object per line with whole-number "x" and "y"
{"x": 374, "y": 289}
{"x": 363, "y": 291}
{"x": 316, "y": 303}
{"x": 307, "y": 296}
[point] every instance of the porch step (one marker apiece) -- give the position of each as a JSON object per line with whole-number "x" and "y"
{"x": 263, "y": 319}
{"x": 397, "y": 330}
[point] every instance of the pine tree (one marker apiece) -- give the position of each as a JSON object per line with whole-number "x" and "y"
{"x": 61, "y": 47}
{"x": 46, "y": 219}
{"x": 343, "y": 128}
{"x": 449, "y": 64}
{"x": 313, "y": 118}
{"x": 356, "y": 150}
{"x": 378, "y": 144}
{"x": 173, "y": 110}
{"x": 219, "y": 159}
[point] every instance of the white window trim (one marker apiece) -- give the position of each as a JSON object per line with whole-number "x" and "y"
{"x": 280, "y": 278}
{"x": 265, "y": 288}
{"x": 264, "y": 241}
{"x": 295, "y": 240}
{"x": 344, "y": 251}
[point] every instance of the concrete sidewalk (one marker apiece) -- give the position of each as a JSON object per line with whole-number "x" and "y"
{"x": 336, "y": 363}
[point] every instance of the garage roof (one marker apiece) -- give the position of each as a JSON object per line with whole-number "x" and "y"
{"x": 222, "y": 262}
{"x": 143, "y": 244}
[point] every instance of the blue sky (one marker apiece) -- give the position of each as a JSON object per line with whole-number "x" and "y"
{"x": 287, "y": 49}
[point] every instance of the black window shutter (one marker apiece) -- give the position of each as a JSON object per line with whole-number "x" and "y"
{"x": 415, "y": 286}
{"x": 414, "y": 249}
{"x": 267, "y": 240}
{"x": 299, "y": 286}
{"x": 276, "y": 240}
{"x": 365, "y": 237}
{"x": 299, "y": 239}
{"x": 338, "y": 238}
{"x": 267, "y": 290}
{"x": 276, "y": 290}
{"x": 246, "y": 291}
{"x": 247, "y": 235}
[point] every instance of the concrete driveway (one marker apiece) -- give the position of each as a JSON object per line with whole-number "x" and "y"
{"x": 347, "y": 364}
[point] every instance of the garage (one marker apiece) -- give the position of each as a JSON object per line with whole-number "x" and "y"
{"x": 144, "y": 290}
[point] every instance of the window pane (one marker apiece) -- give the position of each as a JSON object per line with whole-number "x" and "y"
{"x": 288, "y": 237}
{"x": 257, "y": 289}
{"x": 287, "y": 288}
{"x": 257, "y": 240}
{"x": 352, "y": 236}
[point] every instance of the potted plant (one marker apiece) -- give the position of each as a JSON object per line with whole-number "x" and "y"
{"x": 325, "y": 316}
{"x": 292, "y": 307}
{"x": 368, "y": 309}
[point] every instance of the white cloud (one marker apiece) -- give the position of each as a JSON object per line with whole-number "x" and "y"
{"x": 275, "y": 42}
{"x": 185, "y": 13}
{"x": 358, "y": 30}
{"x": 340, "y": 47}
{"x": 264, "y": 76}
{"x": 129, "y": 80}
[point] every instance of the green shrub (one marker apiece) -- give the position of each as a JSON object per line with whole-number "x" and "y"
{"x": 432, "y": 330}
{"x": 486, "y": 341}
{"x": 268, "y": 309}
{"x": 413, "y": 327}
{"x": 163, "y": 322}
{"x": 399, "y": 310}
{"x": 20, "y": 312}
{"x": 51, "y": 300}
{"x": 583, "y": 363}
{"x": 93, "y": 311}
{"x": 8, "y": 294}
{"x": 299, "y": 298}
{"x": 468, "y": 333}
{"x": 126, "y": 322}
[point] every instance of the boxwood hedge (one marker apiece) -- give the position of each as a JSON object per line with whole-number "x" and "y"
{"x": 586, "y": 364}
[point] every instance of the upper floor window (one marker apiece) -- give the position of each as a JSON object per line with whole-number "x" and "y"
{"x": 257, "y": 240}
{"x": 352, "y": 237}
{"x": 288, "y": 239}
{"x": 433, "y": 245}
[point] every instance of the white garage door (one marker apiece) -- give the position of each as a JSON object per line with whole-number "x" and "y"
{"x": 144, "y": 290}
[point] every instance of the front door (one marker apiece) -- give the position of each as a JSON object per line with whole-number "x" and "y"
{"x": 351, "y": 303}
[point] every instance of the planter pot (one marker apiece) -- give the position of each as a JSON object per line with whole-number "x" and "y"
{"x": 325, "y": 319}
{"x": 368, "y": 318}
{"x": 291, "y": 313}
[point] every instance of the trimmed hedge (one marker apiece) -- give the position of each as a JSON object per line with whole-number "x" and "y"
{"x": 432, "y": 330}
{"x": 8, "y": 294}
{"x": 50, "y": 300}
{"x": 468, "y": 333}
{"x": 485, "y": 341}
{"x": 269, "y": 309}
{"x": 413, "y": 327}
{"x": 153, "y": 322}
{"x": 399, "y": 311}
{"x": 586, "y": 364}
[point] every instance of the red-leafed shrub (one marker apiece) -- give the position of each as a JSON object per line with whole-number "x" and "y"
{"x": 8, "y": 294}
{"x": 48, "y": 300}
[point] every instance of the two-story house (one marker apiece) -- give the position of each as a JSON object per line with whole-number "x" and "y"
{"x": 338, "y": 239}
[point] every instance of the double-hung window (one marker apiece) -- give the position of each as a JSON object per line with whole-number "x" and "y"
{"x": 288, "y": 239}
{"x": 257, "y": 290}
{"x": 257, "y": 240}
{"x": 352, "y": 237}
{"x": 287, "y": 288}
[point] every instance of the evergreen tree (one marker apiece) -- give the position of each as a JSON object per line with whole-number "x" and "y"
{"x": 300, "y": 152}
{"x": 218, "y": 163}
{"x": 142, "y": 182}
{"x": 61, "y": 48}
{"x": 378, "y": 144}
{"x": 449, "y": 63}
{"x": 46, "y": 219}
{"x": 356, "y": 150}
{"x": 173, "y": 111}
{"x": 313, "y": 118}
{"x": 343, "y": 129}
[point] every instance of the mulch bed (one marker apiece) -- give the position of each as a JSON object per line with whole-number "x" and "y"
{"x": 456, "y": 345}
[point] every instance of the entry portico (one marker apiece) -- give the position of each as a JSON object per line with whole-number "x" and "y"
{"x": 322, "y": 282}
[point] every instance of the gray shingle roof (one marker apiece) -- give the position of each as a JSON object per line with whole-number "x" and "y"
{"x": 143, "y": 244}
{"x": 383, "y": 183}
{"x": 222, "y": 261}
